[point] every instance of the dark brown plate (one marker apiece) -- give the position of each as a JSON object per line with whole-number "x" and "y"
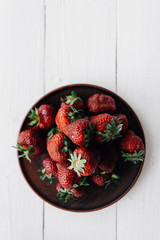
{"x": 96, "y": 197}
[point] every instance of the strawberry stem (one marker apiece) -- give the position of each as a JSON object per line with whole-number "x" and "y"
{"x": 34, "y": 117}
{"x": 134, "y": 157}
{"x": 26, "y": 152}
{"x": 112, "y": 131}
{"x": 113, "y": 178}
{"x": 76, "y": 114}
{"x": 65, "y": 194}
{"x": 67, "y": 143}
{"x": 77, "y": 163}
{"x": 45, "y": 175}
{"x": 52, "y": 132}
{"x": 71, "y": 99}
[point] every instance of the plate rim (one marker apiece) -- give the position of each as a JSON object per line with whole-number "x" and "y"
{"x": 140, "y": 167}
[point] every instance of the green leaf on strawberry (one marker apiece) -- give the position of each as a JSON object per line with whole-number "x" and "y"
{"x": 112, "y": 131}
{"x": 26, "y": 152}
{"x": 134, "y": 157}
{"x": 65, "y": 194}
{"x": 71, "y": 99}
{"x": 77, "y": 163}
{"x": 45, "y": 175}
{"x": 34, "y": 116}
{"x": 67, "y": 143}
{"x": 114, "y": 178}
{"x": 52, "y": 132}
{"x": 76, "y": 114}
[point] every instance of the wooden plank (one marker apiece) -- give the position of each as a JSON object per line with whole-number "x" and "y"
{"x": 80, "y": 42}
{"x": 138, "y": 83}
{"x": 80, "y": 47}
{"x": 21, "y": 77}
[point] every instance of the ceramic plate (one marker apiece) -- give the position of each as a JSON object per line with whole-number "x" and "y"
{"x": 96, "y": 197}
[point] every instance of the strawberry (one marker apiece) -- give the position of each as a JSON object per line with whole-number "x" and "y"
{"x": 58, "y": 186}
{"x": 101, "y": 178}
{"x": 72, "y": 100}
{"x": 66, "y": 194}
{"x": 109, "y": 156}
{"x": 107, "y": 127}
{"x": 76, "y": 191}
{"x": 80, "y": 132}
{"x": 62, "y": 119}
{"x": 30, "y": 143}
{"x": 43, "y": 117}
{"x": 124, "y": 120}
{"x": 98, "y": 103}
{"x": 49, "y": 170}
{"x": 57, "y": 147}
{"x": 132, "y": 147}
{"x": 84, "y": 161}
{"x": 67, "y": 177}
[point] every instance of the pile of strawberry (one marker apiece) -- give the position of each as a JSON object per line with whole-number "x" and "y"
{"x": 84, "y": 142}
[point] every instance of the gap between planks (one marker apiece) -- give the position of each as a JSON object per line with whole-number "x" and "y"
{"x": 44, "y": 91}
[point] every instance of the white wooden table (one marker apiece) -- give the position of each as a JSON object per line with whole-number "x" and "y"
{"x": 45, "y": 44}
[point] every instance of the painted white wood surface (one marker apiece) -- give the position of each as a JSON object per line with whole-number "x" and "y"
{"x": 21, "y": 83}
{"x": 49, "y": 43}
{"x": 138, "y": 81}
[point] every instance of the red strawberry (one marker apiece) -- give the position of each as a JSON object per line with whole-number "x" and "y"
{"x": 50, "y": 166}
{"x": 84, "y": 161}
{"x": 132, "y": 147}
{"x": 124, "y": 120}
{"x": 43, "y": 117}
{"x": 30, "y": 143}
{"x": 57, "y": 147}
{"x": 101, "y": 178}
{"x": 58, "y": 186}
{"x": 72, "y": 100}
{"x": 107, "y": 127}
{"x": 109, "y": 156}
{"x": 49, "y": 170}
{"x": 66, "y": 194}
{"x": 78, "y": 192}
{"x": 80, "y": 132}
{"x": 62, "y": 118}
{"x": 101, "y": 103}
{"x": 67, "y": 177}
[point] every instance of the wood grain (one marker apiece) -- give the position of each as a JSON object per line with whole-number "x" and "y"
{"x": 21, "y": 77}
{"x": 49, "y": 43}
{"x": 138, "y": 83}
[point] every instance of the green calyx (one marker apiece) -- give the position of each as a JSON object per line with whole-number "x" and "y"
{"x": 26, "y": 152}
{"x": 77, "y": 163}
{"x": 34, "y": 117}
{"x": 119, "y": 119}
{"x": 52, "y": 132}
{"x": 113, "y": 178}
{"x": 112, "y": 131}
{"x": 89, "y": 133}
{"x": 65, "y": 194}
{"x": 67, "y": 143}
{"x": 135, "y": 157}
{"x": 82, "y": 183}
{"x": 71, "y": 99}
{"x": 45, "y": 175}
{"x": 76, "y": 114}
